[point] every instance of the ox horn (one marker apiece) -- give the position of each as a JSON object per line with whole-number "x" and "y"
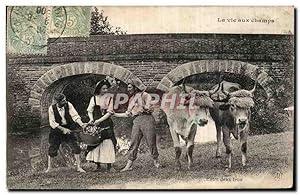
{"x": 224, "y": 91}
{"x": 252, "y": 90}
{"x": 256, "y": 75}
{"x": 183, "y": 85}
{"x": 211, "y": 92}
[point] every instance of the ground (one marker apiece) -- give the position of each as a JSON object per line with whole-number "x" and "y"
{"x": 270, "y": 165}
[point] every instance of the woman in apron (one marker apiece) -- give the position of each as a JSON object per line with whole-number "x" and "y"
{"x": 99, "y": 111}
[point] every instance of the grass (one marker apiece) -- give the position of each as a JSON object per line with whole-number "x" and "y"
{"x": 270, "y": 162}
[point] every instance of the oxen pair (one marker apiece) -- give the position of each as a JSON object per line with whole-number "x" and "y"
{"x": 230, "y": 111}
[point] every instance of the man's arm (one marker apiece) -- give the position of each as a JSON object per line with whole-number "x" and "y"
{"x": 52, "y": 122}
{"x": 75, "y": 116}
{"x": 123, "y": 115}
{"x": 128, "y": 113}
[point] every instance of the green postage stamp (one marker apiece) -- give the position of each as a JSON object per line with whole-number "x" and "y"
{"x": 29, "y": 27}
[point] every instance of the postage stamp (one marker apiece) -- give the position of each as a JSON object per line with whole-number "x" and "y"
{"x": 78, "y": 23}
{"x": 29, "y": 27}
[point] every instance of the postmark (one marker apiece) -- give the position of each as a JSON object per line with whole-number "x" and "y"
{"x": 28, "y": 27}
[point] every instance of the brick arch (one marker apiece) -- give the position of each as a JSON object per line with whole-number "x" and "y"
{"x": 227, "y": 66}
{"x": 56, "y": 79}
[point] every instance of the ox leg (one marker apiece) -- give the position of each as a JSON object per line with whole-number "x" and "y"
{"x": 218, "y": 152}
{"x": 177, "y": 147}
{"x": 177, "y": 158}
{"x": 228, "y": 146}
{"x": 243, "y": 142}
{"x": 190, "y": 146}
{"x": 190, "y": 150}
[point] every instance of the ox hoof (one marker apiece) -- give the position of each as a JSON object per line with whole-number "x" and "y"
{"x": 177, "y": 167}
{"x": 190, "y": 165}
{"x": 48, "y": 170}
{"x": 218, "y": 154}
{"x": 227, "y": 168}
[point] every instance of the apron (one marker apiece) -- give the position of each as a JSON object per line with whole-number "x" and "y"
{"x": 101, "y": 132}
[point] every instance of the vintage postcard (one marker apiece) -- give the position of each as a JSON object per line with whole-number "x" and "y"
{"x": 161, "y": 97}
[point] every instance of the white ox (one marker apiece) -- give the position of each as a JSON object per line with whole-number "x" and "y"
{"x": 186, "y": 108}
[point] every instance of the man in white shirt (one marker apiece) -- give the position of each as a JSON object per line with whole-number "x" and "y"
{"x": 62, "y": 119}
{"x": 143, "y": 125}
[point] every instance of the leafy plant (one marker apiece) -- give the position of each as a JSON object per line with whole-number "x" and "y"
{"x": 101, "y": 26}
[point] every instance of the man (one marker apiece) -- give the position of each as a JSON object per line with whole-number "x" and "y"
{"x": 62, "y": 118}
{"x": 143, "y": 125}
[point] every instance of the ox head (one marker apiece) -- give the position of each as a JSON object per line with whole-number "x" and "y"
{"x": 238, "y": 109}
{"x": 201, "y": 103}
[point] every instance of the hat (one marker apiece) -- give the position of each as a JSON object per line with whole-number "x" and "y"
{"x": 100, "y": 84}
{"x": 136, "y": 88}
{"x": 59, "y": 97}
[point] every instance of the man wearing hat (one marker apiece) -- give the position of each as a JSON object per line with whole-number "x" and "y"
{"x": 62, "y": 119}
{"x": 143, "y": 125}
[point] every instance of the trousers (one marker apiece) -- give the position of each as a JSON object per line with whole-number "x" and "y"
{"x": 143, "y": 125}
